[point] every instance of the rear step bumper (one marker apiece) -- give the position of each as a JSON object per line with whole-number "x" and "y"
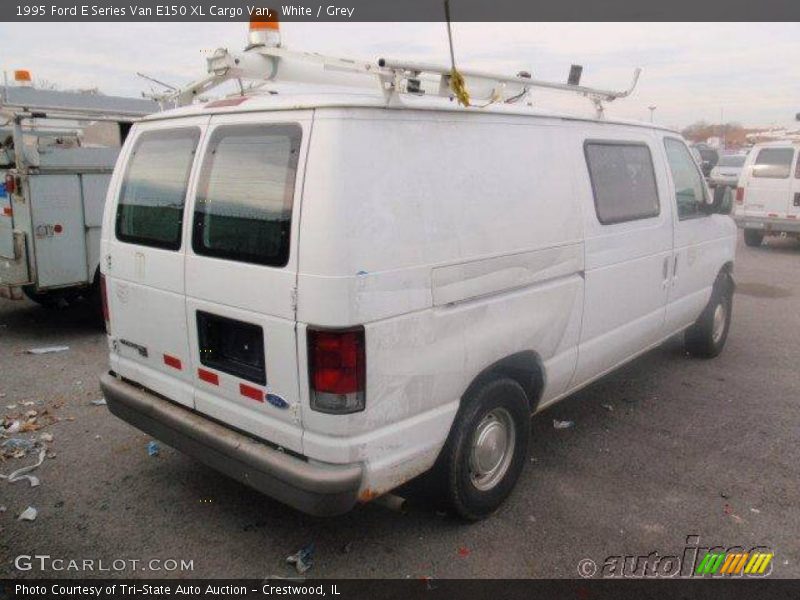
{"x": 768, "y": 224}
{"x": 312, "y": 488}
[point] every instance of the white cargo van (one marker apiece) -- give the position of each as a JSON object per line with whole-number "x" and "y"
{"x": 327, "y": 295}
{"x": 768, "y": 195}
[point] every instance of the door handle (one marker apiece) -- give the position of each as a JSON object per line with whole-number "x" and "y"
{"x": 675, "y": 270}
{"x": 665, "y": 272}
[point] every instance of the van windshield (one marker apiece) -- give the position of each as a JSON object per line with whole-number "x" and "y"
{"x": 245, "y": 194}
{"x": 150, "y": 209}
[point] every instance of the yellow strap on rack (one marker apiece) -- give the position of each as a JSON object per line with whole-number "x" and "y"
{"x": 459, "y": 87}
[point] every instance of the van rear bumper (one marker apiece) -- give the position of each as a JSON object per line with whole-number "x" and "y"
{"x": 768, "y": 224}
{"x": 322, "y": 490}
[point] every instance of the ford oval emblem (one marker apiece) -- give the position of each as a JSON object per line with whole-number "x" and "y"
{"x": 277, "y": 401}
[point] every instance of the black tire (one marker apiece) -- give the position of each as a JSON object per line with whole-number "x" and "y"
{"x": 753, "y": 237}
{"x": 707, "y": 337}
{"x": 498, "y": 399}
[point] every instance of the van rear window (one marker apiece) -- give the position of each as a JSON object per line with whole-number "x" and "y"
{"x": 244, "y": 201}
{"x": 773, "y": 163}
{"x": 150, "y": 208}
{"x": 623, "y": 181}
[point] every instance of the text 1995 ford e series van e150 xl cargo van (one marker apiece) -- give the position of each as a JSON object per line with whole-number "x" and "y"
{"x": 325, "y": 295}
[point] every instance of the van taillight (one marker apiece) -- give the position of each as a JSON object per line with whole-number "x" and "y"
{"x": 739, "y": 195}
{"x": 104, "y": 301}
{"x": 337, "y": 370}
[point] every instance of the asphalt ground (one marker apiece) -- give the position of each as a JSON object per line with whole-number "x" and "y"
{"x": 664, "y": 448}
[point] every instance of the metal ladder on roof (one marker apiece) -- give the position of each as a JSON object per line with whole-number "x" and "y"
{"x": 264, "y": 60}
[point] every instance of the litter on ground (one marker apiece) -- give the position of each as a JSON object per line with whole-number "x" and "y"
{"x": 101, "y": 402}
{"x": 303, "y": 559}
{"x": 562, "y": 424}
{"x": 29, "y": 514}
{"x": 153, "y": 449}
{"x": 22, "y": 473}
{"x": 47, "y": 350}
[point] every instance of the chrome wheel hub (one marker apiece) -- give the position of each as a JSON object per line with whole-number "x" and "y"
{"x": 718, "y": 326}
{"x": 492, "y": 449}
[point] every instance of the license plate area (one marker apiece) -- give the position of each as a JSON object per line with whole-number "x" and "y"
{"x": 232, "y": 346}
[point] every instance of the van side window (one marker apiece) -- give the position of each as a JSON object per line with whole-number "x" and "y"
{"x": 773, "y": 163}
{"x": 150, "y": 208}
{"x": 244, "y": 198}
{"x": 623, "y": 181}
{"x": 690, "y": 191}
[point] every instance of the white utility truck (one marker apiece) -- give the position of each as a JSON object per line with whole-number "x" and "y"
{"x": 327, "y": 293}
{"x": 57, "y": 153}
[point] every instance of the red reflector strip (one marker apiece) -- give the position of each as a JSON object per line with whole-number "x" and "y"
{"x": 772, "y": 214}
{"x": 7, "y": 211}
{"x": 208, "y": 376}
{"x": 791, "y": 216}
{"x": 251, "y": 392}
{"x": 173, "y": 362}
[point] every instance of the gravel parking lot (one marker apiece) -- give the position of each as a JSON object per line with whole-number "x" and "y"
{"x": 666, "y": 447}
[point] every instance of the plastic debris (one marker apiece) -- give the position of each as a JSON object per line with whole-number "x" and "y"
{"x": 22, "y": 473}
{"x": 46, "y": 437}
{"x": 463, "y": 552}
{"x": 101, "y": 402}
{"x": 303, "y": 559}
{"x": 11, "y": 406}
{"x": 47, "y": 350}
{"x": 3, "y": 509}
{"x": 29, "y": 514}
{"x": 12, "y": 426}
{"x": 755, "y": 510}
{"x": 562, "y": 424}
{"x": 28, "y": 403}
{"x": 608, "y": 407}
{"x": 153, "y": 448}
{"x": 17, "y": 447}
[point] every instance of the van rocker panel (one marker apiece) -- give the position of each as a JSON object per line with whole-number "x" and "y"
{"x": 316, "y": 489}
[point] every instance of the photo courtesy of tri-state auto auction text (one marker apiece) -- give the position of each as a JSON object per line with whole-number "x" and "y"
{"x": 442, "y": 299}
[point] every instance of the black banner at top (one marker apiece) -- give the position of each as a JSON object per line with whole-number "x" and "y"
{"x": 402, "y": 10}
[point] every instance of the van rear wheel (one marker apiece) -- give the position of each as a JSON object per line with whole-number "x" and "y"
{"x": 486, "y": 450}
{"x": 753, "y": 237}
{"x": 706, "y": 338}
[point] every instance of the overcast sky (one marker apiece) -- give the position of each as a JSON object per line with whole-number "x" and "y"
{"x": 691, "y": 71}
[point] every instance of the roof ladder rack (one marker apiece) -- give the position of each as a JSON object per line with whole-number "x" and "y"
{"x": 264, "y": 61}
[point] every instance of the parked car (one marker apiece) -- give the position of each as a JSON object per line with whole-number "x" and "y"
{"x": 326, "y": 294}
{"x": 726, "y": 172}
{"x": 768, "y": 196}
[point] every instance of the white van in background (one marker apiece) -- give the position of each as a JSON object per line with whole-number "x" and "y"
{"x": 768, "y": 195}
{"x": 327, "y": 294}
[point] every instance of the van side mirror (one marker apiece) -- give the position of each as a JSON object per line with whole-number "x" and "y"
{"x": 722, "y": 202}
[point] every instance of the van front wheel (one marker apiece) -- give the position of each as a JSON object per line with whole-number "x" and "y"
{"x": 753, "y": 237}
{"x": 707, "y": 336}
{"x": 486, "y": 450}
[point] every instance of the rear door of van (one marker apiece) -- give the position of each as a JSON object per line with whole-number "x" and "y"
{"x": 143, "y": 256}
{"x": 241, "y": 273}
{"x": 768, "y": 187}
